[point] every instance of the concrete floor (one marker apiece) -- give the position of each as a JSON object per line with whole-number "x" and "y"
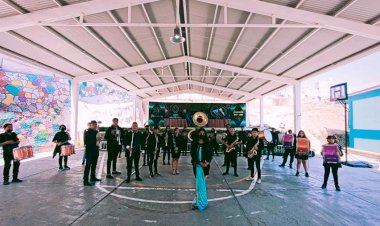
{"x": 48, "y": 197}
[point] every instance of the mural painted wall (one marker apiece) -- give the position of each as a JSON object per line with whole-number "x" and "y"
{"x": 36, "y": 105}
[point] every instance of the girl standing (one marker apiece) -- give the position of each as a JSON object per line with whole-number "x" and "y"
{"x": 302, "y": 152}
{"x": 331, "y": 160}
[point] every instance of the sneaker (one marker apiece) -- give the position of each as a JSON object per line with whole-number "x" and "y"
{"x": 297, "y": 174}
{"x": 95, "y": 179}
{"x": 225, "y": 173}
{"x": 6, "y": 183}
{"x": 66, "y": 167}
{"x": 128, "y": 180}
{"x": 109, "y": 176}
{"x": 176, "y": 172}
{"x": 282, "y": 165}
{"x": 60, "y": 168}
{"x": 324, "y": 186}
{"x": 151, "y": 174}
{"x": 86, "y": 183}
{"x": 306, "y": 174}
{"x": 259, "y": 181}
{"x": 236, "y": 175}
{"x": 249, "y": 178}
{"x": 157, "y": 174}
{"x": 16, "y": 180}
{"x": 116, "y": 172}
{"x": 290, "y": 166}
{"x": 138, "y": 179}
{"x": 337, "y": 188}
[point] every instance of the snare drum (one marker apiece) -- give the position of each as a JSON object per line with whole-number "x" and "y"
{"x": 66, "y": 150}
{"x": 23, "y": 152}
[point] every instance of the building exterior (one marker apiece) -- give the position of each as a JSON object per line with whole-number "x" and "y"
{"x": 364, "y": 120}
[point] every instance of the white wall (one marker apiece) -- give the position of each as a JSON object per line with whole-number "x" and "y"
{"x": 367, "y": 144}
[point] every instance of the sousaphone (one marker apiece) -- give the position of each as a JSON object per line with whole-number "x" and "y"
{"x": 200, "y": 119}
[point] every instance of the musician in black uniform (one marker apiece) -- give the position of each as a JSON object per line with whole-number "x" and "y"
{"x": 179, "y": 144}
{"x": 272, "y": 144}
{"x": 258, "y": 144}
{"x": 154, "y": 144}
{"x": 113, "y": 137}
{"x": 231, "y": 143}
{"x": 242, "y": 137}
{"x": 214, "y": 146}
{"x": 144, "y": 138}
{"x": 133, "y": 143}
{"x": 9, "y": 141}
{"x": 224, "y": 141}
{"x": 84, "y": 141}
{"x": 200, "y": 141}
{"x": 92, "y": 140}
{"x": 61, "y": 138}
{"x": 168, "y": 144}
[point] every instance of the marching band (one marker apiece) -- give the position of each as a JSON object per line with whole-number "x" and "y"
{"x": 149, "y": 144}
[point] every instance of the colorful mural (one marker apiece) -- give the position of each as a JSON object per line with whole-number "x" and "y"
{"x": 36, "y": 105}
{"x": 96, "y": 93}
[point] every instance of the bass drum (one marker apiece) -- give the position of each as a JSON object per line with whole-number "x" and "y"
{"x": 268, "y": 135}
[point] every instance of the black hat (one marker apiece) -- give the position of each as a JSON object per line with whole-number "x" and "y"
{"x": 330, "y": 137}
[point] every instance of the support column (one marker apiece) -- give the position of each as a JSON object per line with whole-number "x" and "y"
{"x": 262, "y": 112}
{"x": 297, "y": 107}
{"x": 74, "y": 111}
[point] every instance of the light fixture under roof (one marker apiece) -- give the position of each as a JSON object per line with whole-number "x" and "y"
{"x": 177, "y": 38}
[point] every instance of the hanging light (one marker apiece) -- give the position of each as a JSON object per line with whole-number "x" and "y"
{"x": 177, "y": 38}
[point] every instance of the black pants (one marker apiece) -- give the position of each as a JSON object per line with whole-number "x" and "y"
{"x": 60, "y": 160}
{"x": 291, "y": 152}
{"x": 112, "y": 152}
{"x": 152, "y": 161}
{"x": 133, "y": 157}
{"x": 91, "y": 162}
{"x": 231, "y": 158}
{"x": 334, "y": 169}
{"x": 250, "y": 163}
{"x": 8, "y": 158}
{"x": 255, "y": 161}
{"x": 166, "y": 150}
{"x": 270, "y": 149}
{"x": 145, "y": 157}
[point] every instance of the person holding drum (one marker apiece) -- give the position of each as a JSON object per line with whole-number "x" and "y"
{"x": 288, "y": 141}
{"x": 61, "y": 138}
{"x": 331, "y": 153}
{"x": 9, "y": 141}
{"x": 302, "y": 152}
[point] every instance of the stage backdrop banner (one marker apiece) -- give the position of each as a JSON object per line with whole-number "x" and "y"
{"x": 235, "y": 114}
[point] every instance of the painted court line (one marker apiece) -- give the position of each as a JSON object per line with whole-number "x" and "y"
{"x": 102, "y": 188}
{"x": 164, "y": 189}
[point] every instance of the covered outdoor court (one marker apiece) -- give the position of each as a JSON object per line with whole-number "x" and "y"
{"x": 50, "y": 198}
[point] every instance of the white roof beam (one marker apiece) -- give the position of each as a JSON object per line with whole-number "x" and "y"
{"x": 65, "y": 12}
{"x": 302, "y": 16}
{"x": 239, "y": 70}
{"x": 190, "y": 91}
{"x": 128, "y": 70}
{"x": 211, "y": 86}
{"x": 154, "y": 88}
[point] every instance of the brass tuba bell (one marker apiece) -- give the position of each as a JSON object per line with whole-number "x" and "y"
{"x": 200, "y": 119}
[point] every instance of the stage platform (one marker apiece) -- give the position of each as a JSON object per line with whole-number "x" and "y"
{"x": 48, "y": 197}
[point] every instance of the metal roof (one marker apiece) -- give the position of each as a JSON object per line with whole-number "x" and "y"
{"x": 234, "y": 50}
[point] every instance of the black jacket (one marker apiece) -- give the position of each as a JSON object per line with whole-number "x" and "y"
{"x": 251, "y": 142}
{"x": 137, "y": 140}
{"x": 151, "y": 143}
{"x": 111, "y": 138}
{"x": 8, "y": 148}
{"x": 206, "y": 153}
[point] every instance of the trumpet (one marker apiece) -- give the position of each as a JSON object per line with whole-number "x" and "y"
{"x": 253, "y": 151}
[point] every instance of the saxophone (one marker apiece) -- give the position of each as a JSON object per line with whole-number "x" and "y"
{"x": 253, "y": 151}
{"x": 232, "y": 146}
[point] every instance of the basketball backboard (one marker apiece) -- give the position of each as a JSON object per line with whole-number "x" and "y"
{"x": 338, "y": 92}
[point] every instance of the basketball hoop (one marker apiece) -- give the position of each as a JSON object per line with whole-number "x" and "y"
{"x": 338, "y": 92}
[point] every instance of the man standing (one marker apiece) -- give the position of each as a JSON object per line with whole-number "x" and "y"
{"x": 231, "y": 143}
{"x": 113, "y": 137}
{"x": 242, "y": 137}
{"x": 9, "y": 141}
{"x": 168, "y": 144}
{"x": 144, "y": 138}
{"x": 153, "y": 150}
{"x": 92, "y": 140}
{"x": 272, "y": 144}
{"x": 133, "y": 142}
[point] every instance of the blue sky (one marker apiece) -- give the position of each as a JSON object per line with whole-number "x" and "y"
{"x": 359, "y": 75}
